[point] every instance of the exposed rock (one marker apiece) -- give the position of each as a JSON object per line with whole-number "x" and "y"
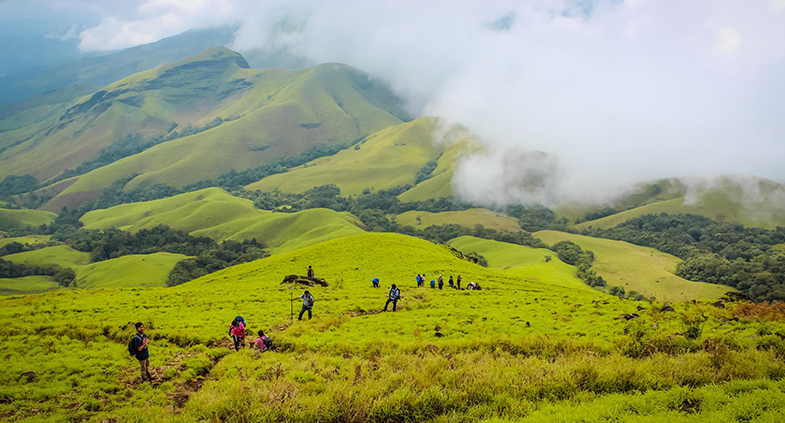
{"x": 439, "y": 334}
{"x": 666, "y": 309}
{"x": 719, "y": 304}
{"x": 627, "y": 316}
{"x": 30, "y": 376}
{"x": 305, "y": 280}
{"x": 438, "y": 328}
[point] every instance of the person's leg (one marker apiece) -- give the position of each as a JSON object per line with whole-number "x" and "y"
{"x": 310, "y": 313}
{"x": 143, "y": 364}
{"x": 236, "y": 342}
{"x": 386, "y": 304}
{"x": 300, "y": 317}
{"x": 395, "y": 304}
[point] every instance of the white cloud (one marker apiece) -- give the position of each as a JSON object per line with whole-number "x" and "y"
{"x": 619, "y": 92}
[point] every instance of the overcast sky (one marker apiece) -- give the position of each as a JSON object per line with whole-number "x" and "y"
{"x": 618, "y": 91}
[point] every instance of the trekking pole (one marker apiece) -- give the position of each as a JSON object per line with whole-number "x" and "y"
{"x": 291, "y": 307}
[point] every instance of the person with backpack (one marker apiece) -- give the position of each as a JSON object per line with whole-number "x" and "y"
{"x": 441, "y": 281}
{"x": 451, "y": 284}
{"x": 310, "y": 272}
{"x": 263, "y": 342}
{"x": 375, "y": 282}
{"x": 137, "y": 347}
{"x": 308, "y": 301}
{"x": 395, "y": 295}
{"x": 237, "y": 332}
{"x": 433, "y": 284}
{"x": 418, "y": 280}
{"x": 459, "y": 281}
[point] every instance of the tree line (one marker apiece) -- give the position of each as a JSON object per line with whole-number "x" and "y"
{"x": 715, "y": 252}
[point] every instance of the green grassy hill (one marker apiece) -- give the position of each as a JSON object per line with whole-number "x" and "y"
{"x": 30, "y": 239}
{"x": 274, "y": 113}
{"x": 641, "y": 269}
{"x": 468, "y": 218}
{"x": 385, "y": 159}
{"x": 147, "y": 270}
{"x": 21, "y": 218}
{"x": 523, "y": 262}
{"x": 748, "y": 200}
{"x": 518, "y": 349}
{"x": 28, "y": 285}
{"x": 213, "y": 212}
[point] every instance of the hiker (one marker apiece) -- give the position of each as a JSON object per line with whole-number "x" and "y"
{"x": 418, "y": 280}
{"x": 262, "y": 343}
{"x": 441, "y": 281}
{"x": 395, "y": 295}
{"x": 459, "y": 281}
{"x": 237, "y": 332}
{"x": 422, "y": 280}
{"x": 451, "y": 284}
{"x": 375, "y": 282}
{"x": 433, "y": 284}
{"x": 140, "y": 342}
{"x": 310, "y": 272}
{"x": 308, "y": 301}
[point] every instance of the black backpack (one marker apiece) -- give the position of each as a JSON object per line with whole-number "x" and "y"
{"x": 268, "y": 343}
{"x": 132, "y": 349}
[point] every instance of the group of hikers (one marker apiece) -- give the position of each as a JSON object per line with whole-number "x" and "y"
{"x": 138, "y": 345}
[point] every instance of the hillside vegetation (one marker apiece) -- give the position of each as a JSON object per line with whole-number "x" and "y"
{"x": 532, "y": 264}
{"x": 743, "y": 199}
{"x": 386, "y": 159}
{"x": 21, "y": 218}
{"x": 147, "y": 270}
{"x": 641, "y": 269}
{"x": 468, "y": 218}
{"x": 272, "y": 113}
{"x": 214, "y": 213}
{"x": 517, "y": 349}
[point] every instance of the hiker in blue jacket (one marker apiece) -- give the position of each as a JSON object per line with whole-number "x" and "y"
{"x": 395, "y": 295}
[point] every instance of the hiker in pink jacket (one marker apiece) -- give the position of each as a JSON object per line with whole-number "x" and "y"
{"x": 237, "y": 331}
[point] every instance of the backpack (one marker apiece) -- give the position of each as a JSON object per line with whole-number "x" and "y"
{"x": 268, "y": 343}
{"x": 131, "y": 347}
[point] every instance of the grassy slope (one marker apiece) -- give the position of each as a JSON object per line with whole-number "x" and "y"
{"x": 279, "y": 113}
{"x": 28, "y": 285}
{"x": 386, "y": 159}
{"x": 148, "y": 270}
{"x": 642, "y": 269}
{"x": 748, "y": 200}
{"x": 213, "y": 212}
{"x": 468, "y": 218}
{"x": 21, "y": 218}
{"x": 345, "y": 363}
{"x": 30, "y": 239}
{"x": 521, "y": 261}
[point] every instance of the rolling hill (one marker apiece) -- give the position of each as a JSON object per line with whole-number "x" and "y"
{"x": 214, "y": 213}
{"x": 523, "y": 262}
{"x": 386, "y": 159}
{"x": 539, "y": 349}
{"x": 131, "y": 271}
{"x": 744, "y": 199}
{"x": 467, "y": 218}
{"x": 269, "y": 113}
{"x": 641, "y": 269}
{"x": 22, "y": 218}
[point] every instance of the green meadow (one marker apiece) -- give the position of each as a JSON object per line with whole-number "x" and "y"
{"x": 641, "y": 269}
{"x": 22, "y": 218}
{"x": 147, "y": 270}
{"x": 532, "y": 264}
{"x": 27, "y": 285}
{"x": 29, "y": 240}
{"x": 468, "y": 218}
{"x": 214, "y": 213}
{"x": 518, "y": 350}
